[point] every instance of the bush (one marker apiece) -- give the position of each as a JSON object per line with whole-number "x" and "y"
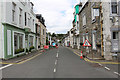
{"x": 81, "y": 43}
{"x": 26, "y": 50}
{"x": 38, "y": 46}
{"x": 19, "y": 51}
{"x": 32, "y": 47}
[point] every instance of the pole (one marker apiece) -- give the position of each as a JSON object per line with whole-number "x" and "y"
{"x": 50, "y": 40}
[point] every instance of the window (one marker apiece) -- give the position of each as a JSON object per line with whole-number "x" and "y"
{"x": 21, "y": 41}
{"x": 93, "y": 41}
{"x": 39, "y": 29}
{"x": 115, "y": 35}
{"x": 77, "y": 25}
{"x": 18, "y": 42}
{"x": 33, "y": 22}
{"x": 25, "y": 19}
{"x": 87, "y": 37}
{"x": 92, "y": 14}
{"x": 24, "y": 2}
{"x": 83, "y": 39}
{"x": 114, "y": 7}
{"x": 31, "y": 41}
{"x": 43, "y": 31}
{"x": 29, "y": 20}
{"x": 20, "y": 16}
{"x": 71, "y": 32}
{"x": 13, "y": 11}
{"x": 84, "y": 20}
{"x": 15, "y": 41}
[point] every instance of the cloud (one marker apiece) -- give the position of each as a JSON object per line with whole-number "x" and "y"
{"x": 58, "y": 14}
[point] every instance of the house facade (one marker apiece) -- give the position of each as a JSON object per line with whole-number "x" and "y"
{"x": 67, "y": 40}
{"x": 42, "y": 30}
{"x": 111, "y": 28}
{"x": 90, "y": 28}
{"x": 71, "y": 38}
{"x": 99, "y": 24}
{"x": 76, "y": 27}
{"x": 38, "y": 34}
{"x": 1, "y": 32}
{"x": 17, "y": 28}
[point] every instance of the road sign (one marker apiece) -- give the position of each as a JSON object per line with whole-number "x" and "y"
{"x": 86, "y": 43}
{"x": 53, "y": 44}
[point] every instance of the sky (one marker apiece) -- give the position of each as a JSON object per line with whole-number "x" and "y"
{"x": 58, "y": 14}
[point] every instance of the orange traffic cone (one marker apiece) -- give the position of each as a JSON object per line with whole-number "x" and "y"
{"x": 81, "y": 56}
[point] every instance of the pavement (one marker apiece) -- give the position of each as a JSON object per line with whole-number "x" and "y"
{"x": 56, "y": 63}
{"x": 21, "y": 58}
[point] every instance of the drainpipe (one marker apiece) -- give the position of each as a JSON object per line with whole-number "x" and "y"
{"x": 101, "y": 24}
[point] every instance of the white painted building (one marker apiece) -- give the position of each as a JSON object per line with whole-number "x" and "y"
{"x": 71, "y": 38}
{"x": 1, "y": 32}
{"x": 67, "y": 41}
{"x": 111, "y": 28}
{"x": 17, "y": 27}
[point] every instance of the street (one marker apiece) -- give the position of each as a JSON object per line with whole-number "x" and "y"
{"x": 56, "y": 63}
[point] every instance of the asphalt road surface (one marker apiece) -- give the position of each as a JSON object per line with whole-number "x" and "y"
{"x": 56, "y": 63}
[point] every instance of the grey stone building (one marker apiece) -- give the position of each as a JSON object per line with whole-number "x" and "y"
{"x": 90, "y": 29}
{"x": 99, "y": 24}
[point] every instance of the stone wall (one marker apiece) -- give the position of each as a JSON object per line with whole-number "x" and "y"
{"x": 89, "y": 28}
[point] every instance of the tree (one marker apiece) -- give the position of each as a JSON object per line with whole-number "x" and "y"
{"x": 53, "y": 35}
{"x": 49, "y": 33}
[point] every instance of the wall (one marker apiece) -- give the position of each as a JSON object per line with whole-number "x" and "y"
{"x": 106, "y": 32}
{"x": 89, "y": 28}
{"x": 71, "y": 39}
{"x": 1, "y": 30}
{"x": 109, "y": 26}
{"x": 25, "y": 8}
{"x": 43, "y": 37}
{"x": 8, "y": 24}
{"x": 10, "y": 27}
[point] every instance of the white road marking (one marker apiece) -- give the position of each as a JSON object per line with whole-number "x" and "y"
{"x": 56, "y": 62}
{"x": 54, "y": 70}
{"x": 117, "y": 73}
{"x": 107, "y": 68}
{"x": 57, "y": 55}
{"x": 5, "y": 66}
{"x": 100, "y": 64}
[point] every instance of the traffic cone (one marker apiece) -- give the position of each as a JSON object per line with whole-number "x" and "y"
{"x": 81, "y": 56}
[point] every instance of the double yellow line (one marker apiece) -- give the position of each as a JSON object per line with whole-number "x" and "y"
{"x": 100, "y": 62}
{"x": 96, "y": 61}
{"x": 22, "y": 59}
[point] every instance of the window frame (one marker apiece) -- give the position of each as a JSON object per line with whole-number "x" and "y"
{"x": 92, "y": 12}
{"x": 25, "y": 18}
{"x": 18, "y": 33}
{"x": 116, "y": 37}
{"x": 43, "y": 31}
{"x": 20, "y": 16}
{"x": 13, "y": 12}
{"x": 94, "y": 47}
{"x": 113, "y": 14}
{"x": 84, "y": 20}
